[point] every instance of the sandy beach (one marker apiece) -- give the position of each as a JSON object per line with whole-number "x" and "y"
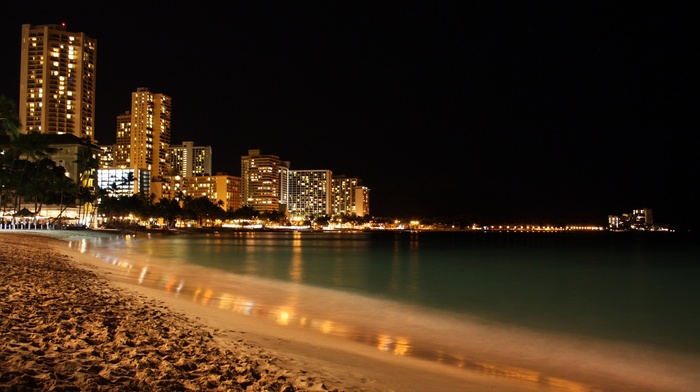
{"x": 67, "y": 326}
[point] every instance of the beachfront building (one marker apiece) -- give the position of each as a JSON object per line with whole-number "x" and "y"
{"x": 77, "y": 155}
{"x": 124, "y": 182}
{"x": 140, "y": 152}
{"x": 122, "y": 146}
{"x": 166, "y": 187}
{"x": 149, "y": 132}
{"x": 284, "y": 185}
{"x": 640, "y": 219}
{"x": 268, "y": 184}
{"x": 260, "y": 181}
{"x": 57, "y": 81}
{"x": 188, "y": 160}
{"x": 221, "y": 189}
{"x": 309, "y": 193}
{"x": 349, "y": 196}
{"x": 362, "y": 201}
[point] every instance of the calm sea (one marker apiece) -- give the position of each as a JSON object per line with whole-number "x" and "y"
{"x": 449, "y": 296}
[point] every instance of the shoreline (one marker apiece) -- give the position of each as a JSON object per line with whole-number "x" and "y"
{"x": 67, "y": 324}
{"x": 276, "y": 357}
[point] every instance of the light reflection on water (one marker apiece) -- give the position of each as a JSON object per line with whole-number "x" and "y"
{"x": 288, "y": 313}
{"x": 292, "y": 313}
{"x": 249, "y": 287}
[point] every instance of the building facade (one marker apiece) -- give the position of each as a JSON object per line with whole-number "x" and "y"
{"x": 150, "y": 132}
{"x": 57, "y": 81}
{"x": 188, "y": 160}
{"x": 78, "y": 156}
{"x": 268, "y": 184}
{"x": 640, "y": 219}
{"x": 349, "y": 196}
{"x": 167, "y": 187}
{"x": 221, "y": 189}
{"x": 107, "y": 157}
{"x": 260, "y": 181}
{"x": 362, "y": 201}
{"x": 309, "y": 193}
{"x": 122, "y": 145}
{"x": 124, "y": 182}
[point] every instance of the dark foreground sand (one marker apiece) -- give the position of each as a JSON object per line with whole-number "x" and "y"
{"x": 65, "y": 326}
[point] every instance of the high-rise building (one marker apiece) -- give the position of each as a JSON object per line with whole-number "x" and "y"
{"x": 57, "y": 81}
{"x": 284, "y": 185}
{"x": 150, "y": 132}
{"x": 143, "y": 138}
{"x": 641, "y": 219}
{"x": 362, "y": 201}
{"x": 268, "y": 184}
{"x": 260, "y": 181}
{"x": 122, "y": 146}
{"x": 221, "y": 189}
{"x": 309, "y": 193}
{"x": 107, "y": 157}
{"x": 349, "y": 196}
{"x": 189, "y": 160}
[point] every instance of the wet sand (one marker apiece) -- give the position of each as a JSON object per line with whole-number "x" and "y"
{"x": 66, "y": 326}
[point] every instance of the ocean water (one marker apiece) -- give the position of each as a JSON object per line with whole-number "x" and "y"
{"x": 452, "y": 297}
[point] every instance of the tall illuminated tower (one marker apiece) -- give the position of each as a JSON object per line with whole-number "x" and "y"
{"x": 260, "y": 181}
{"x": 310, "y": 193}
{"x": 349, "y": 196}
{"x": 189, "y": 160}
{"x": 150, "y": 131}
{"x": 57, "y": 81}
{"x": 122, "y": 146}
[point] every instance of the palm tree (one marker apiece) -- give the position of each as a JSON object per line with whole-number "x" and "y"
{"x": 85, "y": 196}
{"x": 9, "y": 124}
{"x": 60, "y": 190}
{"x": 169, "y": 210}
{"x": 202, "y": 208}
{"x": 9, "y": 117}
{"x": 33, "y": 147}
{"x": 49, "y": 185}
{"x": 87, "y": 193}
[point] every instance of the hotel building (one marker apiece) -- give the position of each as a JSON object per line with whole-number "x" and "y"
{"x": 221, "y": 189}
{"x": 107, "y": 157}
{"x": 57, "y": 81}
{"x": 640, "y": 219}
{"x": 150, "y": 131}
{"x": 124, "y": 182}
{"x": 268, "y": 184}
{"x": 260, "y": 181}
{"x": 141, "y": 150}
{"x": 188, "y": 160}
{"x": 309, "y": 193}
{"x": 349, "y": 196}
{"x": 122, "y": 146}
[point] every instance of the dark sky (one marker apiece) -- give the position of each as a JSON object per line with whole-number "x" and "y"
{"x": 498, "y": 112}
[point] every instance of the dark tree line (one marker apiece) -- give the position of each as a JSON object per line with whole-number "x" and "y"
{"x": 27, "y": 173}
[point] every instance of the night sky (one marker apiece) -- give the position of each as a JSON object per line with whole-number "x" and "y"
{"x": 490, "y": 111}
